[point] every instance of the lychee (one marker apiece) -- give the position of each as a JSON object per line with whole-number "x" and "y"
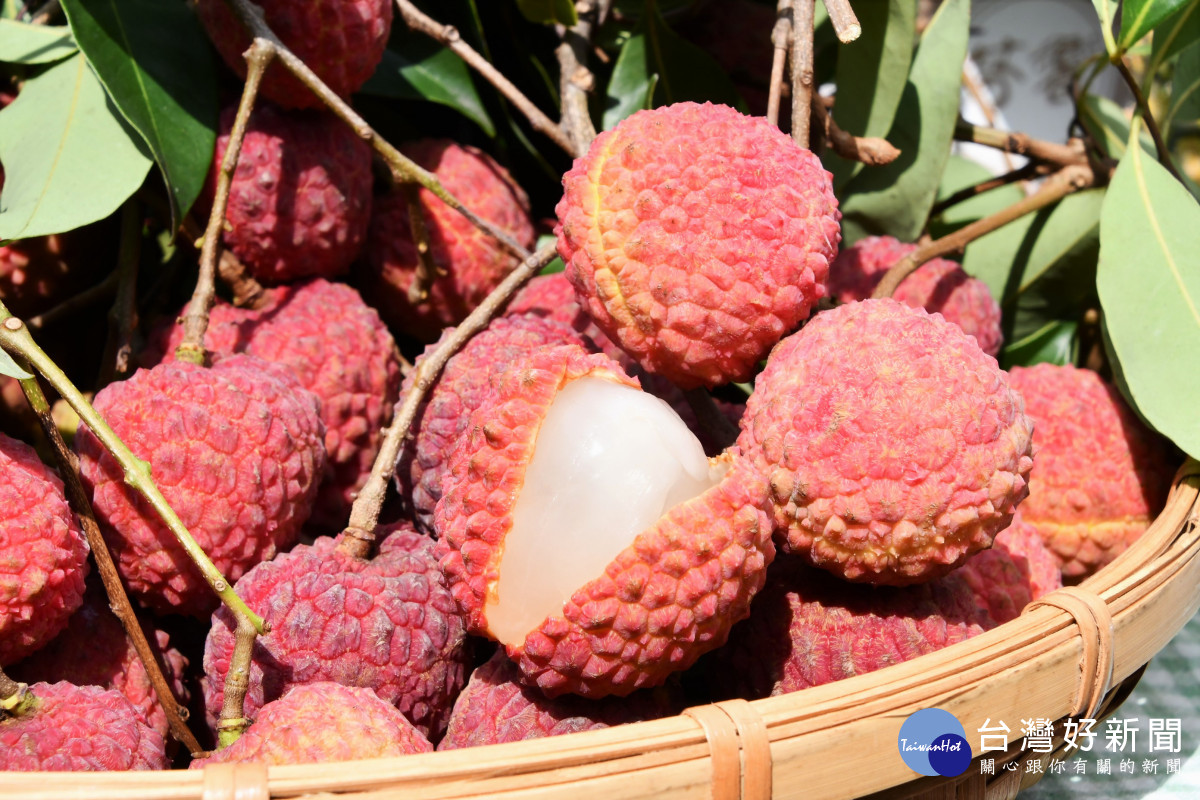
{"x": 1102, "y": 475}
{"x": 893, "y": 445}
{"x": 587, "y": 595}
{"x": 323, "y": 722}
{"x": 697, "y": 237}
{"x": 341, "y": 42}
{"x": 300, "y": 198}
{"x": 1015, "y": 571}
{"x": 496, "y": 707}
{"x": 236, "y": 449}
{"x": 939, "y": 285}
{"x": 43, "y": 554}
{"x": 388, "y": 624}
{"x": 470, "y": 262}
{"x": 552, "y": 297}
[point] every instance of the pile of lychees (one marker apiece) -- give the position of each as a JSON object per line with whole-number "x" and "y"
{"x": 571, "y": 539}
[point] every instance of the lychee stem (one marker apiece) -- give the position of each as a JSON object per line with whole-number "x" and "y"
{"x": 427, "y": 271}
{"x": 68, "y": 468}
{"x": 1073, "y": 152}
{"x": 195, "y": 318}
{"x": 802, "y": 68}
{"x": 232, "y": 722}
{"x": 575, "y": 80}
{"x": 15, "y": 338}
{"x": 364, "y": 515}
{"x": 15, "y": 698}
{"x": 845, "y": 23}
{"x": 247, "y": 292}
{"x": 781, "y": 35}
{"x": 870, "y": 150}
{"x": 122, "y": 317}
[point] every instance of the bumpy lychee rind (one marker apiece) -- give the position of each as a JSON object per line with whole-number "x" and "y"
{"x": 939, "y": 285}
{"x": 300, "y": 199}
{"x": 237, "y": 449}
{"x": 341, "y": 42}
{"x": 79, "y": 728}
{"x": 1015, "y": 571}
{"x": 496, "y": 707}
{"x": 697, "y": 237}
{"x": 43, "y": 554}
{"x": 471, "y": 262}
{"x": 1102, "y": 475}
{"x": 663, "y": 601}
{"x": 339, "y": 349}
{"x": 894, "y": 446}
{"x": 388, "y": 624}
{"x": 552, "y": 297}
{"x": 1036, "y": 561}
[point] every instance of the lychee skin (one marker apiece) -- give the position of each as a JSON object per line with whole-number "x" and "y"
{"x": 321, "y": 723}
{"x": 237, "y": 450}
{"x": 939, "y": 285}
{"x": 662, "y": 602}
{"x": 496, "y": 707}
{"x": 894, "y": 446}
{"x": 552, "y": 297}
{"x": 388, "y": 624}
{"x": 697, "y": 237}
{"x": 300, "y": 198}
{"x": 472, "y": 262}
{"x": 1014, "y": 572}
{"x": 1102, "y": 475}
{"x": 341, "y": 42}
{"x": 79, "y": 728}
{"x": 338, "y": 348}
{"x": 43, "y": 553}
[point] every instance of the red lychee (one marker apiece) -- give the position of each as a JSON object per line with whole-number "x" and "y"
{"x": 552, "y": 297}
{"x": 1015, "y": 571}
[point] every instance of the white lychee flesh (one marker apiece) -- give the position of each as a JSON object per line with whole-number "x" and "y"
{"x": 608, "y": 462}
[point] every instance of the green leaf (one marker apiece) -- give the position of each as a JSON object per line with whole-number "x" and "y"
{"x": 156, "y": 63}
{"x": 871, "y": 74}
{"x": 1108, "y": 125}
{"x": 655, "y": 63}
{"x": 1106, "y": 10}
{"x": 9, "y": 367}
{"x": 33, "y": 44}
{"x": 548, "y": 12}
{"x": 1139, "y": 17}
{"x": 896, "y": 199}
{"x": 556, "y": 264}
{"x": 1179, "y": 31}
{"x": 959, "y": 174}
{"x": 69, "y": 156}
{"x": 1149, "y": 285}
{"x": 1185, "y": 88}
{"x": 427, "y": 71}
{"x": 1056, "y": 342}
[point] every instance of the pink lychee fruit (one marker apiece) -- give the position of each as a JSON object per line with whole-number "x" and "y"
{"x": 342, "y": 42}
{"x": 496, "y": 707}
{"x": 589, "y": 534}
{"x": 469, "y": 262}
{"x": 320, "y": 723}
{"x": 388, "y": 624}
{"x": 338, "y": 348}
{"x": 894, "y": 446}
{"x": 1102, "y": 475}
{"x": 938, "y": 285}
{"x": 43, "y": 554}
{"x": 78, "y": 728}
{"x": 1015, "y": 571}
{"x": 697, "y": 237}
{"x": 552, "y": 297}
{"x": 237, "y": 450}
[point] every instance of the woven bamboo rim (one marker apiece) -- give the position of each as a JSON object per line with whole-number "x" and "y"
{"x": 1077, "y": 653}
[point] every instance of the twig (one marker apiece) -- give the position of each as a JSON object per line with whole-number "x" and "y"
{"x": 195, "y": 318}
{"x": 69, "y": 306}
{"x": 46, "y": 13}
{"x": 575, "y": 80}
{"x": 802, "y": 68}
{"x": 869, "y": 150}
{"x": 427, "y": 271}
{"x": 1067, "y": 180}
{"x": 449, "y": 36}
{"x": 122, "y": 317}
{"x": 232, "y": 721}
{"x": 781, "y": 36}
{"x": 1164, "y": 155}
{"x": 718, "y": 426}
{"x": 1073, "y": 152}
{"x": 364, "y": 515}
{"x": 247, "y": 292}
{"x": 845, "y": 24}
{"x": 118, "y": 601}
{"x": 1030, "y": 170}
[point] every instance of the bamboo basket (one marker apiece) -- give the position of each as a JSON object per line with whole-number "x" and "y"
{"x": 1078, "y": 653}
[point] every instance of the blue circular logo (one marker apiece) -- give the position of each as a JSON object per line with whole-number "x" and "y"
{"x": 933, "y": 742}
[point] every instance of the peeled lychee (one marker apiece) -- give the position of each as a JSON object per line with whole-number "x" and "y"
{"x": 388, "y": 624}
{"x": 1102, "y": 475}
{"x": 342, "y": 42}
{"x": 320, "y": 723}
{"x": 78, "y": 728}
{"x": 496, "y": 707}
{"x": 697, "y": 237}
{"x": 237, "y": 450}
{"x": 470, "y": 262}
{"x": 43, "y": 554}
{"x": 893, "y": 445}
{"x": 300, "y": 197}
{"x": 1015, "y": 571}
{"x": 590, "y": 535}
{"x": 938, "y": 285}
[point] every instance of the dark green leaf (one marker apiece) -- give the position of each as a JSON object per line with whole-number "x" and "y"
{"x": 1185, "y": 88}
{"x": 428, "y": 71}
{"x": 896, "y": 199}
{"x": 156, "y": 63}
{"x": 9, "y": 367}
{"x": 33, "y": 44}
{"x": 548, "y": 12}
{"x": 69, "y": 156}
{"x": 1108, "y": 125}
{"x": 1056, "y": 342}
{"x": 1149, "y": 286}
{"x": 1139, "y": 17}
{"x": 1179, "y": 31}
